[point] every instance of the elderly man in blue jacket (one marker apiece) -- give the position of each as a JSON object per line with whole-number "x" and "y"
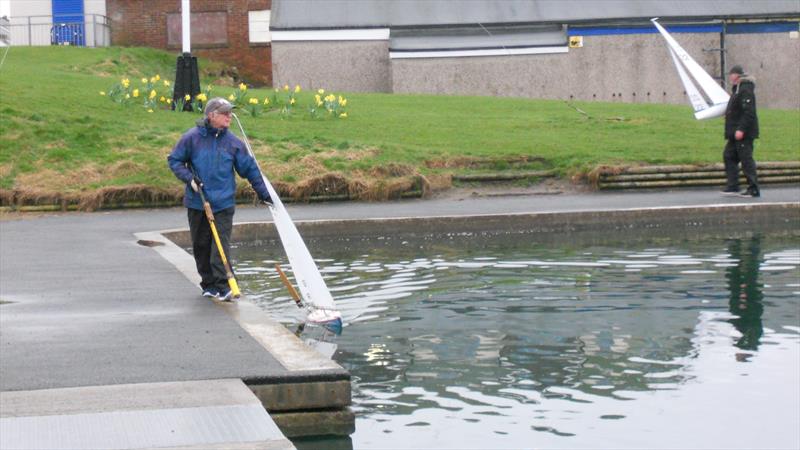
{"x": 213, "y": 153}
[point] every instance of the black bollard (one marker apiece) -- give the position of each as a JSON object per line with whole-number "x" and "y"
{"x": 187, "y": 80}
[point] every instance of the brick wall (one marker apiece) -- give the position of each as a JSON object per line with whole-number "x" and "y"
{"x": 143, "y": 23}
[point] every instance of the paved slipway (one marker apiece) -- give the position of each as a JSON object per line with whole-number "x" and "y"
{"x": 84, "y": 306}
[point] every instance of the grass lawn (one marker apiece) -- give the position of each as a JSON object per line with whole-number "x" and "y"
{"x": 59, "y": 136}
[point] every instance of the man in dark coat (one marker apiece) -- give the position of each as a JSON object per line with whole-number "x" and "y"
{"x": 741, "y": 129}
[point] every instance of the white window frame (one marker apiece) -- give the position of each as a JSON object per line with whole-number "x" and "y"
{"x": 258, "y": 26}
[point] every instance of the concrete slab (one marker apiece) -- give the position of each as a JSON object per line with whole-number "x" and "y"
{"x": 195, "y": 414}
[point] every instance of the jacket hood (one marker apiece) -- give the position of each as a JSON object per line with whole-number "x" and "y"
{"x": 747, "y": 79}
{"x": 206, "y": 128}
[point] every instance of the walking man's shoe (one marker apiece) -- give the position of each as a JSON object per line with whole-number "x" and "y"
{"x": 750, "y": 192}
{"x": 730, "y": 191}
{"x": 210, "y": 292}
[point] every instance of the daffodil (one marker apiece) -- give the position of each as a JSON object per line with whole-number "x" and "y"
{"x": 253, "y": 101}
{"x": 343, "y": 115}
{"x": 187, "y": 97}
{"x": 166, "y": 83}
{"x": 153, "y": 79}
{"x": 144, "y": 80}
{"x": 231, "y": 97}
{"x": 127, "y": 96}
{"x": 163, "y": 99}
{"x": 242, "y": 87}
{"x": 126, "y": 82}
{"x": 320, "y": 91}
{"x": 153, "y": 94}
{"x": 319, "y": 103}
{"x": 343, "y": 102}
{"x": 296, "y": 88}
{"x": 150, "y": 110}
{"x": 102, "y": 92}
{"x": 201, "y": 97}
{"x": 157, "y": 77}
{"x": 135, "y": 93}
{"x": 285, "y": 87}
{"x": 266, "y": 101}
{"x": 291, "y": 102}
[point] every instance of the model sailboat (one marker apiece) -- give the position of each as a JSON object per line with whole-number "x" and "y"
{"x": 707, "y": 97}
{"x": 316, "y": 296}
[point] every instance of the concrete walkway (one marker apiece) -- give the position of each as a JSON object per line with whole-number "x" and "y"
{"x": 84, "y": 305}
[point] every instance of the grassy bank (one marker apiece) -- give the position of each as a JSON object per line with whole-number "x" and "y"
{"x": 59, "y": 137}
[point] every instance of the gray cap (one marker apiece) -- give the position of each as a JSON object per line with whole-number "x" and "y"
{"x": 218, "y": 104}
{"x": 737, "y": 69}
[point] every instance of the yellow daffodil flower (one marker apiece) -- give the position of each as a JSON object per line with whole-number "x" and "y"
{"x": 319, "y": 103}
{"x": 285, "y": 87}
{"x": 291, "y": 102}
{"x": 231, "y": 97}
{"x": 153, "y": 79}
{"x": 202, "y": 97}
{"x": 153, "y": 94}
{"x": 242, "y": 87}
{"x": 135, "y": 93}
{"x": 187, "y": 97}
{"x": 158, "y": 77}
{"x": 126, "y": 82}
{"x": 296, "y": 88}
{"x": 320, "y": 91}
{"x": 266, "y": 101}
{"x": 253, "y": 101}
{"x": 102, "y": 92}
{"x": 166, "y": 83}
{"x": 343, "y": 115}
{"x": 163, "y": 99}
{"x": 149, "y": 110}
{"x": 127, "y": 96}
{"x": 343, "y": 102}
{"x": 144, "y": 80}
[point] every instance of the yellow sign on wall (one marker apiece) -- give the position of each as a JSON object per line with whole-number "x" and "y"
{"x": 575, "y": 41}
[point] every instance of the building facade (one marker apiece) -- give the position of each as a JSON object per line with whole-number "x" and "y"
{"x": 576, "y": 49}
{"x": 233, "y": 31}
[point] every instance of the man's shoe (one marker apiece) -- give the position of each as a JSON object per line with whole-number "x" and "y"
{"x": 750, "y": 192}
{"x": 210, "y": 292}
{"x": 730, "y": 191}
{"x": 225, "y": 296}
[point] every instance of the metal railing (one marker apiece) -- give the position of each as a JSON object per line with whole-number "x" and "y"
{"x": 90, "y": 30}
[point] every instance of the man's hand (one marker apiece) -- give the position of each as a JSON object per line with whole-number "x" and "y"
{"x": 739, "y": 135}
{"x": 266, "y": 201}
{"x": 195, "y": 186}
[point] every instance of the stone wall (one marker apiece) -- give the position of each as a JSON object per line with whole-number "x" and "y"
{"x": 144, "y": 24}
{"x": 352, "y": 66}
{"x": 633, "y": 68}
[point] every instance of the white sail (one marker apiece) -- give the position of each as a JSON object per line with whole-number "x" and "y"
{"x": 690, "y": 73}
{"x": 309, "y": 280}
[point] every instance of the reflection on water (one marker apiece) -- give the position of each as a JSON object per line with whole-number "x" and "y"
{"x": 505, "y": 343}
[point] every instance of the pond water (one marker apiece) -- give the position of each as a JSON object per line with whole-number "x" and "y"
{"x": 456, "y": 341}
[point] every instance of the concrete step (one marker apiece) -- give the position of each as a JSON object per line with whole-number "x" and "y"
{"x": 189, "y": 414}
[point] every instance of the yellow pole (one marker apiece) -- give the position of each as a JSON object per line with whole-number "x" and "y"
{"x": 228, "y": 272}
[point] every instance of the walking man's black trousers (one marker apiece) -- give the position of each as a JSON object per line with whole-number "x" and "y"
{"x": 206, "y": 255}
{"x": 740, "y": 152}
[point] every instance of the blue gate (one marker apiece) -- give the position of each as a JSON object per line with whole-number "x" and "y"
{"x": 68, "y": 23}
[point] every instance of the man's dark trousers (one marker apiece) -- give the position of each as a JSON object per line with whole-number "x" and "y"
{"x": 740, "y": 152}
{"x": 206, "y": 255}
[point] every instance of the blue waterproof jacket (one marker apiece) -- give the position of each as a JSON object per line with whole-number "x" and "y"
{"x": 214, "y": 154}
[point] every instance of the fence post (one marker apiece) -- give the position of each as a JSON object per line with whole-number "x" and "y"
{"x": 30, "y": 38}
{"x": 94, "y": 29}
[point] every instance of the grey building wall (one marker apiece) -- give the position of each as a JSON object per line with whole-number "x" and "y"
{"x": 774, "y": 60}
{"x": 352, "y": 66}
{"x": 627, "y": 68}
